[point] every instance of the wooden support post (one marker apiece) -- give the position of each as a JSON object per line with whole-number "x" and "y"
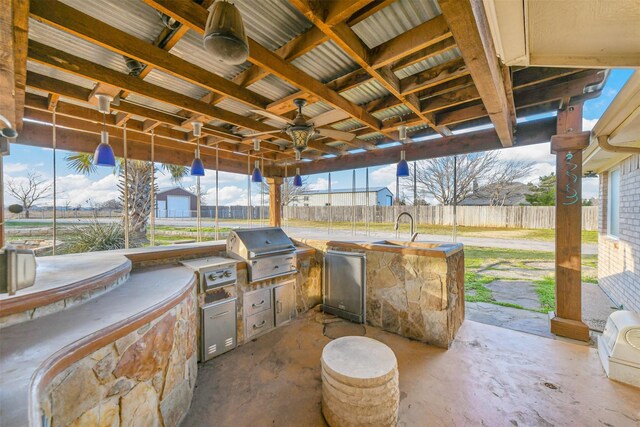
{"x": 568, "y": 145}
{"x": 275, "y": 201}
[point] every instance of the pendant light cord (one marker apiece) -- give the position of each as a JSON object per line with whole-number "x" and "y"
{"x": 127, "y": 225}
{"x": 217, "y": 200}
{"x": 152, "y": 225}
{"x": 55, "y": 215}
{"x": 198, "y": 204}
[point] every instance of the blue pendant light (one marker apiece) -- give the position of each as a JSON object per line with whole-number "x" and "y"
{"x": 297, "y": 180}
{"x": 402, "y": 169}
{"x": 256, "y": 176}
{"x": 197, "y": 167}
{"x": 103, "y": 155}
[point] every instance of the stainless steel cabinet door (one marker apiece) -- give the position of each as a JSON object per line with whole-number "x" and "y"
{"x": 284, "y": 302}
{"x": 218, "y": 328}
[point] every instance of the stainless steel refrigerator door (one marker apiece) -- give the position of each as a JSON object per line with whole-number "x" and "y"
{"x": 345, "y": 284}
{"x": 218, "y": 328}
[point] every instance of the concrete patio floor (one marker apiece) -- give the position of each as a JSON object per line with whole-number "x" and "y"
{"x": 491, "y": 376}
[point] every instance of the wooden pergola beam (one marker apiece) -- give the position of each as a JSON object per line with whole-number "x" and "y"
{"x": 14, "y": 20}
{"x": 434, "y": 76}
{"x": 344, "y": 37}
{"x": 39, "y": 135}
{"x": 46, "y": 55}
{"x": 468, "y": 24}
{"x": 534, "y": 132}
{"x": 421, "y": 37}
{"x": 61, "y": 16}
{"x": 193, "y": 15}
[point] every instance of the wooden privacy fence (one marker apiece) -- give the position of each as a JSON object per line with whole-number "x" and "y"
{"x": 478, "y": 216}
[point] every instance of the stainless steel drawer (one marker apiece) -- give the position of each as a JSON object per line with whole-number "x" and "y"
{"x": 257, "y": 301}
{"x": 218, "y": 333}
{"x": 258, "y": 323}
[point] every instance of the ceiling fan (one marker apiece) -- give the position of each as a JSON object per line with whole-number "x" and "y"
{"x": 301, "y": 130}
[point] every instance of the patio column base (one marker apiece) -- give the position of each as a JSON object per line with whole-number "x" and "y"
{"x": 574, "y": 329}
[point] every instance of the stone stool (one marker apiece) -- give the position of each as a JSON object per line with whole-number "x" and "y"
{"x": 359, "y": 383}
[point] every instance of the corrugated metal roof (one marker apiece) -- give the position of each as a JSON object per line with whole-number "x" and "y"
{"x": 131, "y": 16}
{"x": 272, "y": 23}
{"x": 326, "y": 62}
{"x": 66, "y": 42}
{"x": 190, "y": 48}
{"x": 273, "y": 87}
{"x": 316, "y": 108}
{"x": 234, "y": 106}
{"x": 418, "y": 67}
{"x": 151, "y": 103}
{"x": 175, "y": 84}
{"x": 347, "y": 125}
{"x": 60, "y": 75}
{"x": 398, "y": 110}
{"x": 394, "y": 20}
{"x": 366, "y": 92}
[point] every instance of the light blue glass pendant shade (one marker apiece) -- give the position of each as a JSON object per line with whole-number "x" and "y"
{"x": 403, "y": 167}
{"x": 197, "y": 168}
{"x": 103, "y": 155}
{"x": 256, "y": 176}
{"x": 297, "y": 180}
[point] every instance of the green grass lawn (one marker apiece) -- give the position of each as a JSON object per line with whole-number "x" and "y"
{"x": 547, "y": 235}
{"x": 477, "y": 258}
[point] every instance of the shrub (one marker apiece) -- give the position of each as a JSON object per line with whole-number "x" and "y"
{"x": 96, "y": 236}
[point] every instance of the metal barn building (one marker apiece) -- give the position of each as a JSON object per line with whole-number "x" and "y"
{"x": 378, "y": 196}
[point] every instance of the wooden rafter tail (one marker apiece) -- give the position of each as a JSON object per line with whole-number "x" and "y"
{"x": 468, "y": 24}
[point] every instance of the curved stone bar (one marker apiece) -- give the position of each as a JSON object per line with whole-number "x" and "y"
{"x": 81, "y": 362}
{"x": 62, "y": 282}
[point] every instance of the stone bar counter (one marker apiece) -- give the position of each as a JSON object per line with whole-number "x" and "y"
{"x": 413, "y": 289}
{"x": 110, "y": 338}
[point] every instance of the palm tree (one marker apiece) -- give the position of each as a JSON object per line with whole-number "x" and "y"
{"x": 138, "y": 183}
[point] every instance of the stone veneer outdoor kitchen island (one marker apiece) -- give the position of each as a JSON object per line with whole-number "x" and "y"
{"x": 413, "y": 289}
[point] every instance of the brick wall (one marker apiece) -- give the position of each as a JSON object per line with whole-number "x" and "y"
{"x": 619, "y": 259}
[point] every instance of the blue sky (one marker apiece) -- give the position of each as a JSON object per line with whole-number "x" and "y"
{"x": 101, "y": 186}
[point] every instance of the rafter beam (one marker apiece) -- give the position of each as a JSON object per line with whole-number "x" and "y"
{"x": 468, "y": 24}
{"x": 66, "y": 18}
{"x": 39, "y": 135}
{"x": 433, "y": 76}
{"x": 14, "y": 19}
{"x": 571, "y": 86}
{"x": 534, "y": 132}
{"x": 44, "y": 54}
{"x": 193, "y": 15}
{"x": 427, "y": 34}
{"x": 344, "y": 37}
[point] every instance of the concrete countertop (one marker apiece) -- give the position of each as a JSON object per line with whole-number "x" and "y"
{"x": 33, "y": 352}
{"x": 427, "y": 249}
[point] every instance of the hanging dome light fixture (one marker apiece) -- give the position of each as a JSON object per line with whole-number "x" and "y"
{"x": 224, "y": 35}
{"x": 297, "y": 180}
{"x": 103, "y": 155}
{"x": 402, "y": 169}
{"x": 197, "y": 167}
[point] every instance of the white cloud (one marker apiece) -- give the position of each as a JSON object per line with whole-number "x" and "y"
{"x": 15, "y": 168}
{"x": 323, "y": 184}
{"x": 588, "y": 124}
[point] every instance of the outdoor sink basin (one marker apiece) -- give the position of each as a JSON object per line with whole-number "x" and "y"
{"x": 428, "y": 248}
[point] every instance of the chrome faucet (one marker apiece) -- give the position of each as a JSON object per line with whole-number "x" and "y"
{"x": 413, "y": 233}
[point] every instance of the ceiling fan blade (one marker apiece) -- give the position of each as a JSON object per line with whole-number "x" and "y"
{"x": 251, "y": 135}
{"x": 272, "y": 116}
{"x": 331, "y": 116}
{"x": 337, "y": 134}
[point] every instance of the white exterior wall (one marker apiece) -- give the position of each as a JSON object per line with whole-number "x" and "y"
{"x": 342, "y": 199}
{"x": 619, "y": 258}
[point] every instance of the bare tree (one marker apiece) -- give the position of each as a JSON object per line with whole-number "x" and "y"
{"x": 29, "y": 190}
{"x": 434, "y": 177}
{"x": 290, "y": 193}
{"x": 502, "y": 183}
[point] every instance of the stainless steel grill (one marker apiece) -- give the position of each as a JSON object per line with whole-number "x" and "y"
{"x": 268, "y": 252}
